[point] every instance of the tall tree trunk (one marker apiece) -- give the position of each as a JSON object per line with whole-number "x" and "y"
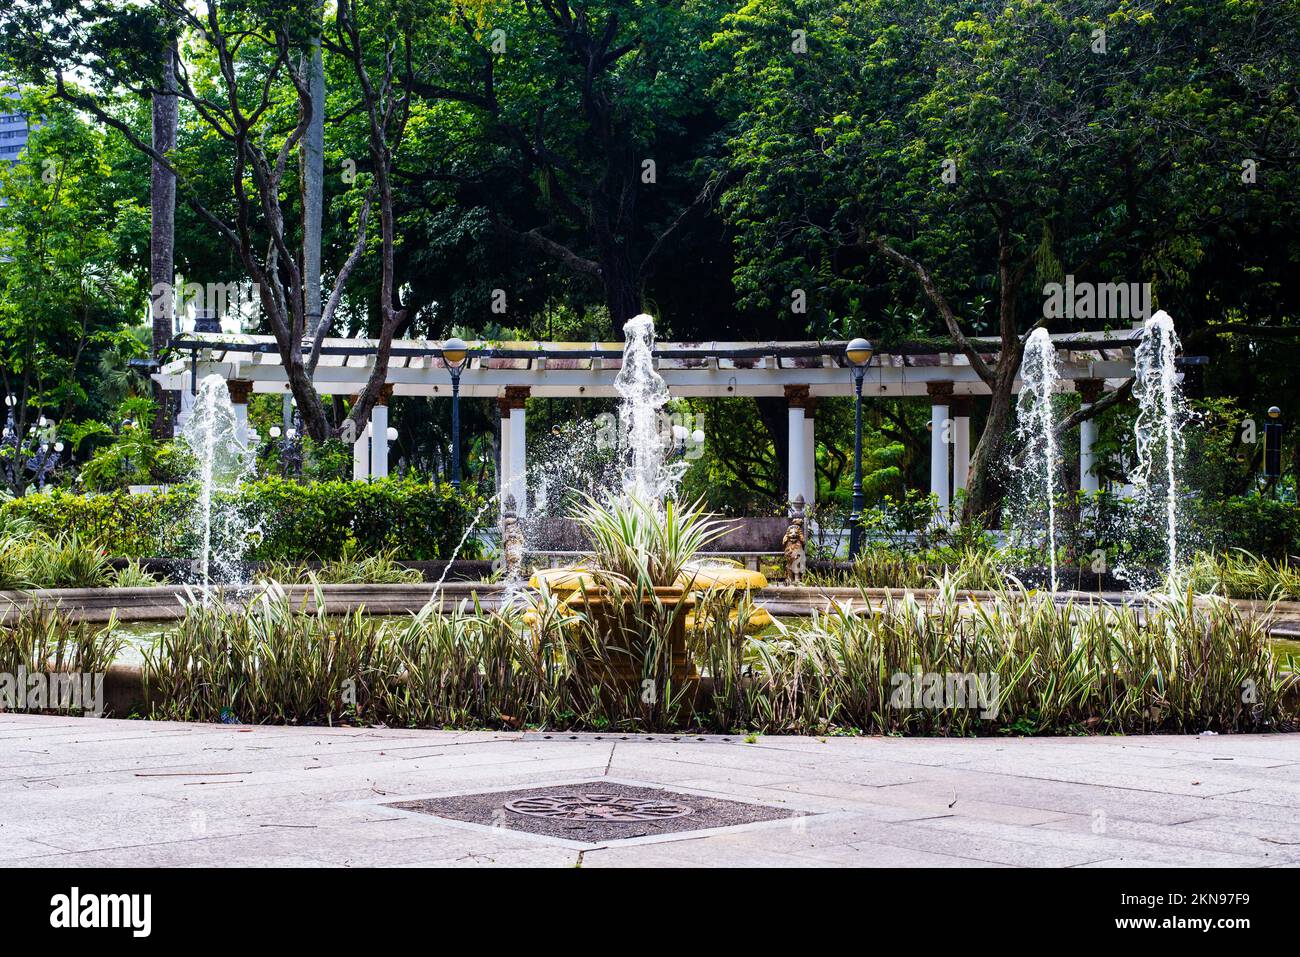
{"x": 622, "y": 286}
{"x": 162, "y": 230}
{"x": 313, "y": 184}
{"x": 312, "y": 165}
{"x": 982, "y": 495}
{"x": 623, "y": 301}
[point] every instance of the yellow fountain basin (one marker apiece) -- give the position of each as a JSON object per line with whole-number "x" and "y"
{"x": 562, "y": 579}
{"x": 700, "y": 577}
{"x": 759, "y": 618}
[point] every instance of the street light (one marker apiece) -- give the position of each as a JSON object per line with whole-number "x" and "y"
{"x": 123, "y": 428}
{"x": 454, "y": 356}
{"x": 858, "y": 352}
{"x": 1273, "y": 446}
{"x": 45, "y": 461}
{"x": 38, "y": 452}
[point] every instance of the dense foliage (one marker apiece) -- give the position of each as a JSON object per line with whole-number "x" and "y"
{"x": 1173, "y": 666}
{"x": 760, "y": 169}
{"x": 324, "y": 520}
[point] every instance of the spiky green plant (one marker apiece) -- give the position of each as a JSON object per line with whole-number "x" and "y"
{"x": 13, "y": 563}
{"x": 269, "y": 662}
{"x": 1239, "y": 574}
{"x": 40, "y": 641}
{"x": 350, "y": 568}
{"x": 1173, "y": 664}
{"x": 978, "y": 569}
{"x": 40, "y": 561}
{"x": 634, "y": 540}
{"x": 132, "y": 575}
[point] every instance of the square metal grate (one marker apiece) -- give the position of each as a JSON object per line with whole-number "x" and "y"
{"x": 595, "y": 812}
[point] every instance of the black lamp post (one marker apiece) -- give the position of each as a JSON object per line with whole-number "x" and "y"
{"x": 39, "y": 452}
{"x": 1273, "y": 446}
{"x": 858, "y": 352}
{"x": 454, "y": 356}
{"x": 44, "y": 461}
{"x": 123, "y": 428}
{"x": 291, "y": 445}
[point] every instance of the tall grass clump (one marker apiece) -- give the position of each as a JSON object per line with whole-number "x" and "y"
{"x": 1029, "y": 666}
{"x": 469, "y": 668}
{"x": 269, "y": 663}
{"x": 36, "y": 560}
{"x": 351, "y": 568}
{"x": 40, "y": 639}
{"x": 1172, "y": 665}
{"x": 1239, "y": 574}
{"x": 978, "y": 569}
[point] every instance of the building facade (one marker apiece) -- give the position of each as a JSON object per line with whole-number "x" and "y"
{"x": 14, "y": 130}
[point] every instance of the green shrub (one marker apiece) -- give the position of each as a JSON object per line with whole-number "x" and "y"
{"x": 401, "y": 517}
{"x": 1267, "y": 527}
{"x": 37, "y": 560}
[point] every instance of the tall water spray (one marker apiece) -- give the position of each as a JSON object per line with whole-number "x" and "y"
{"x": 222, "y": 461}
{"x": 643, "y": 393}
{"x": 1157, "y": 431}
{"x": 1036, "y": 429}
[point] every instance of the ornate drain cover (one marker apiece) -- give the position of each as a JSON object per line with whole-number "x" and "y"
{"x": 596, "y": 806}
{"x": 595, "y": 812}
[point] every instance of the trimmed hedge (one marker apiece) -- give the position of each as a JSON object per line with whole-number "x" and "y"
{"x": 412, "y": 520}
{"x": 1265, "y": 527}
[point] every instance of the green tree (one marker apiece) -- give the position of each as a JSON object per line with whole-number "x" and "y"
{"x": 580, "y": 132}
{"x": 960, "y": 155}
{"x": 65, "y": 300}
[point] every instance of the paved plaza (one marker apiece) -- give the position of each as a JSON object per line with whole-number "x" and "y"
{"x": 85, "y": 792}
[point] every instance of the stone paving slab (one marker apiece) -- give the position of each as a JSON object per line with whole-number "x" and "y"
{"x": 85, "y": 792}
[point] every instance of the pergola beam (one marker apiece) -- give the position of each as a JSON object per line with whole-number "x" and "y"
{"x": 588, "y": 370}
{"x": 802, "y": 372}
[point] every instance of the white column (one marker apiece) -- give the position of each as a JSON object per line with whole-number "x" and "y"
{"x": 504, "y": 471}
{"x": 518, "y": 461}
{"x": 361, "y": 456}
{"x": 240, "y": 390}
{"x": 186, "y": 408}
{"x": 939, "y": 455}
{"x": 960, "y": 452}
{"x": 379, "y": 441}
{"x": 1088, "y": 481}
{"x": 810, "y": 459}
{"x": 241, "y": 420}
{"x": 798, "y": 451}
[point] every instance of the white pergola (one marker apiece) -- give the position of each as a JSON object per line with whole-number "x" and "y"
{"x": 513, "y": 372}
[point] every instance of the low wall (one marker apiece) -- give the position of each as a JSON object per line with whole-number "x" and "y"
{"x": 166, "y": 602}
{"x": 186, "y": 569}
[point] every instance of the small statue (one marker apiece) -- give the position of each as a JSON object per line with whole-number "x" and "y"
{"x": 796, "y": 557}
{"x": 512, "y": 541}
